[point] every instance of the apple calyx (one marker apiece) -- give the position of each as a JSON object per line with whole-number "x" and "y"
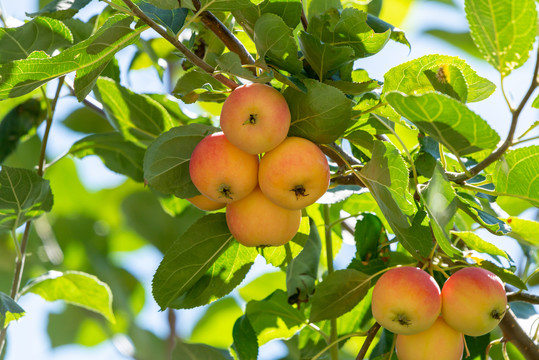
{"x": 299, "y": 190}
{"x": 225, "y": 191}
{"x": 497, "y": 315}
{"x": 403, "y": 320}
{"x": 253, "y": 118}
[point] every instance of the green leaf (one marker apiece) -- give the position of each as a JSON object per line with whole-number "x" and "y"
{"x": 23, "y": 196}
{"x": 224, "y": 275}
{"x": 17, "y": 123}
{"x": 320, "y": 115}
{"x": 354, "y": 88}
{"x": 88, "y": 58}
{"x": 411, "y": 77}
{"x": 224, "y": 5}
{"x": 322, "y": 57}
{"x": 474, "y": 242}
{"x": 472, "y": 207}
{"x": 230, "y": 63}
{"x": 447, "y": 120}
{"x": 190, "y": 257}
{"x": 274, "y": 318}
{"x": 288, "y": 10}
{"x": 263, "y": 286}
{"x": 319, "y": 7}
{"x": 441, "y": 205}
{"x": 76, "y": 288}
{"x": 461, "y": 39}
{"x": 185, "y": 351}
{"x": 165, "y": 4}
{"x": 506, "y": 275}
{"x": 516, "y": 174}
{"x": 197, "y": 85}
{"x": 166, "y": 162}
{"x": 302, "y": 272}
{"x": 339, "y": 293}
{"x": 61, "y": 9}
{"x": 450, "y": 81}
{"x": 214, "y": 328}
{"x": 503, "y": 30}
{"x": 139, "y": 118}
{"x": 172, "y": 19}
{"x": 245, "y": 341}
{"x": 9, "y": 310}
{"x": 380, "y": 26}
{"x": 349, "y": 28}
{"x": 86, "y": 121}
{"x": 526, "y": 231}
{"x": 368, "y": 235}
{"x": 386, "y": 176}
{"x": 275, "y": 43}
{"x": 118, "y": 154}
{"x": 41, "y": 33}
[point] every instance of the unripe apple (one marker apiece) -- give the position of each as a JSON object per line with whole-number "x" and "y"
{"x": 473, "y": 301}
{"x": 221, "y": 171}
{"x": 295, "y": 174}
{"x": 406, "y": 300}
{"x": 256, "y": 221}
{"x": 255, "y": 118}
{"x": 204, "y": 203}
{"x": 440, "y": 342}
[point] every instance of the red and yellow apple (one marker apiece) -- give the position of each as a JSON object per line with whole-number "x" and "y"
{"x": 473, "y": 301}
{"x": 204, "y": 203}
{"x": 295, "y": 174}
{"x": 221, "y": 171}
{"x": 256, "y": 221}
{"x": 440, "y": 342}
{"x": 255, "y": 118}
{"x": 406, "y": 300}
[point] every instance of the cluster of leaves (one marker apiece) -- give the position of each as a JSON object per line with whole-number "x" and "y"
{"x": 413, "y": 184}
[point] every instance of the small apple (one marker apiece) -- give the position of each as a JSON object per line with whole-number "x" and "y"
{"x": 221, "y": 171}
{"x": 406, "y": 300}
{"x": 204, "y": 203}
{"x": 473, "y": 301}
{"x": 440, "y": 342}
{"x": 256, "y": 221}
{"x": 295, "y": 174}
{"x": 255, "y": 118}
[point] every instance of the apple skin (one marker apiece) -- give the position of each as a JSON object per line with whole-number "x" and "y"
{"x": 473, "y": 301}
{"x": 255, "y": 118}
{"x": 256, "y": 221}
{"x": 440, "y": 342}
{"x": 204, "y": 203}
{"x": 295, "y": 174}
{"x": 221, "y": 171}
{"x": 406, "y": 300}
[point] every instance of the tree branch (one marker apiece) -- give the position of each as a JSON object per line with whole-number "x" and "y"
{"x": 222, "y": 32}
{"x": 371, "y": 334}
{"x": 460, "y": 177}
{"x": 517, "y": 336}
{"x": 184, "y": 50}
{"x": 89, "y": 101}
{"x": 304, "y": 21}
{"x": 523, "y": 297}
{"x": 171, "y": 341}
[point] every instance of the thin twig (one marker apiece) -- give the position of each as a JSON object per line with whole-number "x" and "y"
{"x": 171, "y": 317}
{"x": 89, "y": 101}
{"x": 225, "y": 35}
{"x": 304, "y": 21}
{"x": 48, "y": 124}
{"x": 458, "y": 178}
{"x": 178, "y": 45}
{"x": 371, "y": 334}
{"x": 523, "y": 297}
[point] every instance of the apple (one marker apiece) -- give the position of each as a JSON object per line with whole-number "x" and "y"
{"x": 221, "y": 171}
{"x": 440, "y": 342}
{"x": 255, "y": 118}
{"x": 473, "y": 301}
{"x": 295, "y": 174}
{"x": 204, "y": 203}
{"x": 406, "y": 300}
{"x": 256, "y": 221}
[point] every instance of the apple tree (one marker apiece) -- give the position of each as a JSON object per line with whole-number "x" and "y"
{"x": 416, "y": 177}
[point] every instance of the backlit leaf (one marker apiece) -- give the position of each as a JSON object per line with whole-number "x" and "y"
{"x": 474, "y": 242}
{"x": 9, "y": 310}
{"x": 61, "y": 9}
{"x": 245, "y": 341}
{"x": 524, "y": 230}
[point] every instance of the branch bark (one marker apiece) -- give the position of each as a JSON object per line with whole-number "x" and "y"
{"x": 461, "y": 177}
{"x": 371, "y": 334}
{"x": 222, "y": 32}
{"x": 178, "y": 45}
{"x": 517, "y": 336}
{"x": 523, "y": 297}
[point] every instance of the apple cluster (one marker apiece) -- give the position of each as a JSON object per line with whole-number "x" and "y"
{"x": 263, "y": 177}
{"x": 408, "y": 302}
